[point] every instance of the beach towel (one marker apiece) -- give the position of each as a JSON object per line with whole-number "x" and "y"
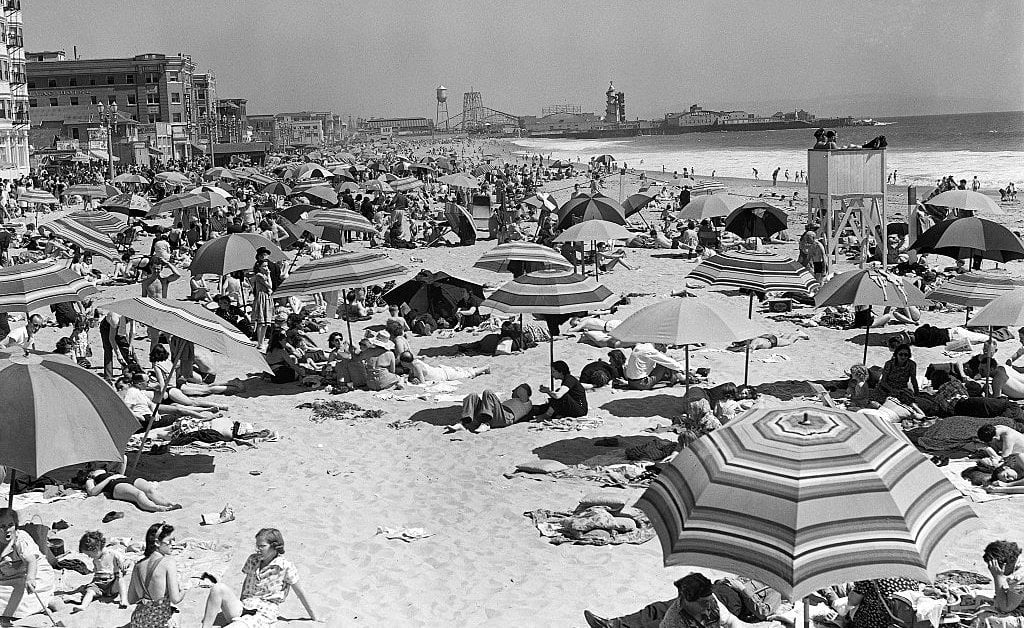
{"x": 596, "y": 525}
{"x": 568, "y": 424}
{"x": 976, "y": 494}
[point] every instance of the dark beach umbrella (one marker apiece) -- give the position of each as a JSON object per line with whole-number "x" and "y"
{"x": 970, "y": 237}
{"x": 430, "y": 288}
{"x": 584, "y": 207}
{"x": 231, "y": 252}
{"x": 131, "y": 205}
{"x": 756, "y": 219}
{"x": 636, "y": 202}
{"x": 277, "y": 188}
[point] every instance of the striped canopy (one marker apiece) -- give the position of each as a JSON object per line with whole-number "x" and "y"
{"x": 276, "y": 188}
{"x": 406, "y": 184}
{"x": 26, "y": 287}
{"x": 91, "y": 190}
{"x": 584, "y": 207}
{"x": 128, "y": 204}
{"x": 805, "y": 497}
{"x": 524, "y": 256}
{"x": 234, "y": 251}
{"x": 128, "y": 177}
{"x": 594, "y": 231}
{"x": 37, "y": 196}
{"x": 761, "y": 271}
{"x": 706, "y": 187}
{"x": 550, "y": 292}
{"x": 348, "y": 269}
{"x": 172, "y": 177}
{"x": 102, "y": 221}
{"x": 297, "y": 228}
{"x": 87, "y": 238}
{"x": 177, "y": 202}
{"x": 870, "y": 286}
{"x": 975, "y": 289}
{"x": 341, "y": 219}
{"x": 259, "y": 178}
{"x": 194, "y": 323}
{"x": 57, "y": 414}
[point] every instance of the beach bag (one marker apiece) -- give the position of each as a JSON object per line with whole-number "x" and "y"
{"x": 751, "y": 601}
{"x": 40, "y": 533}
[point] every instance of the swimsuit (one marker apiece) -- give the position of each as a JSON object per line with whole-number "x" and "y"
{"x": 108, "y": 490}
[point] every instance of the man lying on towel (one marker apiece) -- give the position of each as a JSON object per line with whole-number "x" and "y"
{"x": 480, "y": 412}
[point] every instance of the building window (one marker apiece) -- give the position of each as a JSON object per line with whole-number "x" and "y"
{"x": 75, "y": 133}
{"x": 172, "y": 76}
{"x": 51, "y": 82}
{"x": 151, "y": 78}
{"x": 31, "y": 84}
{"x": 176, "y": 98}
{"x": 129, "y": 79}
{"x": 153, "y": 98}
{"x": 73, "y": 81}
{"x": 151, "y": 118}
{"x": 132, "y": 99}
{"x": 111, "y": 99}
{"x": 94, "y": 100}
{"x": 32, "y": 102}
{"x": 175, "y": 117}
{"x": 92, "y": 80}
{"x": 110, "y": 79}
{"x": 53, "y": 102}
{"x": 74, "y": 100}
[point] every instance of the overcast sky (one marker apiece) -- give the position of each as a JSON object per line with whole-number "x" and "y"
{"x": 377, "y": 58}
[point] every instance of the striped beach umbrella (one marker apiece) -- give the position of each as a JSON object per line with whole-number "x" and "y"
{"x": 87, "y": 238}
{"x": 219, "y": 190}
{"x": 584, "y": 207}
{"x": 594, "y": 231}
{"x": 128, "y": 177}
{"x": 805, "y": 497}
{"x": 299, "y": 227}
{"x": 347, "y": 269}
{"x": 259, "y": 178}
{"x": 973, "y": 290}
{"x": 520, "y": 258}
{"x": 233, "y": 251}
{"x": 970, "y": 237}
{"x": 307, "y": 184}
{"x": 100, "y": 220}
{"x": 57, "y": 414}
{"x": 36, "y": 196}
{"x": 177, "y": 202}
{"x": 551, "y": 292}
{"x": 131, "y": 205}
{"x": 406, "y": 184}
{"x": 27, "y": 287}
{"x": 754, "y": 270}
{"x": 341, "y": 219}
{"x": 92, "y": 190}
{"x": 310, "y": 171}
{"x": 172, "y": 177}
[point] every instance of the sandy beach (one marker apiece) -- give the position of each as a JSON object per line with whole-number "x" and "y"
{"x": 331, "y": 486}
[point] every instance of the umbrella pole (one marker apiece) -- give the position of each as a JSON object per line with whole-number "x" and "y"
{"x": 597, "y": 268}
{"x": 348, "y": 324}
{"x": 984, "y": 354}
{"x": 686, "y": 349}
{"x": 746, "y": 363}
{"x": 551, "y": 344}
{"x": 966, "y": 320}
{"x": 11, "y": 479}
{"x": 156, "y": 410}
{"x": 867, "y": 335}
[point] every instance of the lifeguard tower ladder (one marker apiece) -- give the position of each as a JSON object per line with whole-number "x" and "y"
{"x": 844, "y": 187}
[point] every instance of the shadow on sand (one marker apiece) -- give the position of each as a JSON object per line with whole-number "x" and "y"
{"x": 663, "y": 405}
{"x": 581, "y": 449}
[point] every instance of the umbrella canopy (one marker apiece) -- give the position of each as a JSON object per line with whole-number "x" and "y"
{"x": 92, "y": 191}
{"x": 299, "y": 227}
{"x": 377, "y": 186}
{"x": 320, "y": 194}
{"x": 521, "y": 258}
{"x": 57, "y": 414}
{"x": 711, "y": 206}
{"x": 299, "y": 211}
{"x": 234, "y": 251}
{"x": 220, "y": 173}
{"x": 584, "y": 207}
{"x": 542, "y": 200}
{"x": 177, "y": 202}
{"x": 347, "y": 269}
{"x": 38, "y": 197}
{"x": 277, "y": 188}
{"x": 221, "y": 191}
{"x": 128, "y": 177}
{"x": 968, "y": 237}
{"x": 26, "y": 287}
{"x": 311, "y": 171}
{"x": 87, "y": 238}
{"x": 604, "y": 159}
{"x": 827, "y": 496}
{"x": 347, "y": 186}
{"x": 869, "y": 286}
{"x": 966, "y": 200}
{"x": 760, "y": 271}
{"x": 102, "y": 221}
{"x": 756, "y": 219}
{"x": 683, "y": 321}
{"x": 131, "y": 205}
{"x": 459, "y": 180}
{"x": 341, "y": 219}
{"x": 258, "y": 178}
{"x": 173, "y": 178}
{"x": 636, "y": 202}
{"x": 1005, "y": 310}
{"x": 975, "y": 289}
{"x": 434, "y": 292}
{"x": 594, "y": 231}
{"x": 406, "y": 184}
{"x": 213, "y": 200}
{"x": 551, "y": 292}
{"x": 194, "y": 323}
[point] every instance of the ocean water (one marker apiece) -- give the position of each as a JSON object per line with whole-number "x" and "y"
{"x": 921, "y": 149}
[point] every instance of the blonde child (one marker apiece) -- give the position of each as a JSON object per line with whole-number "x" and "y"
{"x": 109, "y": 570}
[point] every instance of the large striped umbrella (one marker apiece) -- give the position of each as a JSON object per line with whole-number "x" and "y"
{"x": 26, "y": 287}
{"x": 128, "y": 177}
{"x": 172, "y": 177}
{"x": 551, "y": 292}
{"x": 297, "y": 228}
{"x": 970, "y": 237}
{"x": 520, "y": 258}
{"x": 686, "y": 321}
{"x": 87, "y": 238}
{"x": 57, "y": 414}
{"x": 234, "y": 251}
{"x": 975, "y": 289}
{"x": 341, "y": 219}
{"x": 220, "y": 190}
{"x": 805, "y": 497}
{"x": 584, "y": 207}
{"x": 276, "y": 188}
{"x": 869, "y": 286}
{"x": 132, "y": 205}
{"x": 92, "y": 190}
{"x": 99, "y": 220}
{"x": 259, "y": 178}
{"x": 347, "y": 269}
{"x": 177, "y": 202}
{"x": 36, "y": 196}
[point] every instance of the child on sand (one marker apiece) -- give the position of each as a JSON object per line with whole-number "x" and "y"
{"x": 109, "y": 569}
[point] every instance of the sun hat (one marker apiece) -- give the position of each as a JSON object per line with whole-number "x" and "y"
{"x": 382, "y": 339}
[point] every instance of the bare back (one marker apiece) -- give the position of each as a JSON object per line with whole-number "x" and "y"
{"x": 149, "y": 578}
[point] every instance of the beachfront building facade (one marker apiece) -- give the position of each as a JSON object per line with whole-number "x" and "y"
{"x": 264, "y": 128}
{"x": 233, "y": 124}
{"x": 148, "y": 89}
{"x": 14, "y": 109}
{"x": 395, "y": 126}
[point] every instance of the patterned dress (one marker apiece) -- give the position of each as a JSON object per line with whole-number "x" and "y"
{"x": 895, "y": 382}
{"x": 871, "y": 612}
{"x": 264, "y": 589}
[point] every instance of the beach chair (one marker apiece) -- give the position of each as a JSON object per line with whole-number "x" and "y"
{"x": 823, "y": 395}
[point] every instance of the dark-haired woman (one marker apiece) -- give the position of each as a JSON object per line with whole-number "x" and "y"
{"x": 26, "y": 579}
{"x": 568, "y": 400}
{"x": 269, "y": 576}
{"x": 154, "y": 587}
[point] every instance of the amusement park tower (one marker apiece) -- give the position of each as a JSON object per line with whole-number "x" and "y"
{"x": 442, "y": 106}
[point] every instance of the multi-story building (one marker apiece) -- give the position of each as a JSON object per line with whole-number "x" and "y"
{"x": 264, "y": 128}
{"x": 14, "y": 100}
{"x": 233, "y": 125}
{"x": 148, "y": 89}
{"x": 396, "y": 126}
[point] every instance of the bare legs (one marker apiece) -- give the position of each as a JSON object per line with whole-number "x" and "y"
{"x": 221, "y": 600}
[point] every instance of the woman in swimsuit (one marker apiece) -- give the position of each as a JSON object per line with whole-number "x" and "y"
{"x": 154, "y": 586}
{"x": 118, "y": 486}
{"x": 160, "y": 359}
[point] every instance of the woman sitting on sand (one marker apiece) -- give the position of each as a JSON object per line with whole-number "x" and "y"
{"x": 568, "y": 400}
{"x": 138, "y": 491}
{"x": 27, "y": 581}
{"x": 708, "y": 409}
{"x": 160, "y": 358}
{"x": 154, "y": 587}
{"x": 268, "y": 579}
{"x": 282, "y": 363}
{"x": 422, "y": 373}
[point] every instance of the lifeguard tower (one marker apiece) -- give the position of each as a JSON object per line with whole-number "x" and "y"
{"x": 846, "y": 188}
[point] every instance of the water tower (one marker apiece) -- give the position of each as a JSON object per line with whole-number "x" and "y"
{"x": 442, "y": 106}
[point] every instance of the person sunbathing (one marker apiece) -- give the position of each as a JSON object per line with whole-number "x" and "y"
{"x": 481, "y": 412}
{"x": 160, "y": 359}
{"x": 1003, "y": 382}
{"x": 1008, "y": 441}
{"x": 1008, "y": 478}
{"x": 118, "y": 486}
{"x": 591, "y": 323}
{"x": 608, "y": 258}
{"x": 422, "y": 373}
{"x": 140, "y": 400}
{"x": 769, "y": 341}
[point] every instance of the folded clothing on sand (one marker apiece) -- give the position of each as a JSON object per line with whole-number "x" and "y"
{"x": 595, "y": 525}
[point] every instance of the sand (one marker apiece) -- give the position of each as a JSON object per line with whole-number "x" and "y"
{"x": 329, "y": 486}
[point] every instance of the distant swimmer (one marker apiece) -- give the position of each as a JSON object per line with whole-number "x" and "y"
{"x": 755, "y": 173}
